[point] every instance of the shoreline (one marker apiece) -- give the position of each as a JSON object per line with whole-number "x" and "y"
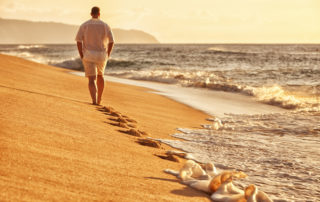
{"x": 55, "y": 146}
{"x": 216, "y": 103}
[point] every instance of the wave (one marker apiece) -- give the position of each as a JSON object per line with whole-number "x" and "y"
{"x": 117, "y": 63}
{"x": 216, "y": 50}
{"x": 122, "y": 63}
{"x": 276, "y": 95}
{"x": 74, "y": 64}
{"x": 272, "y": 95}
{"x": 162, "y": 76}
{"x": 29, "y": 46}
{"x": 27, "y": 55}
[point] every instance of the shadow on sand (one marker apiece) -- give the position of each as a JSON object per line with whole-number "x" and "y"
{"x": 186, "y": 191}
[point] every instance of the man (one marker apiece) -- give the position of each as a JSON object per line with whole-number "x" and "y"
{"x": 95, "y": 43}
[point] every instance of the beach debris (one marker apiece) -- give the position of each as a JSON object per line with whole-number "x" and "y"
{"x": 192, "y": 170}
{"x": 206, "y": 126}
{"x": 216, "y": 124}
{"x": 252, "y": 193}
{"x": 149, "y": 142}
{"x": 168, "y": 157}
{"x": 223, "y": 177}
{"x": 221, "y": 186}
{"x": 218, "y": 184}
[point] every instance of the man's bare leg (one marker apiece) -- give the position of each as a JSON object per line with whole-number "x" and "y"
{"x": 93, "y": 89}
{"x": 100, "y": 85}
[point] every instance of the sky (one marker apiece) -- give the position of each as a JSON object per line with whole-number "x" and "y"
{"x": 186, "y": 21}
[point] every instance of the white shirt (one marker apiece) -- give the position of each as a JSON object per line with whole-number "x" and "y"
{"x": 94, "y": 35}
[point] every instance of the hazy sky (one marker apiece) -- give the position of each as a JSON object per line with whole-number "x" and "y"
{"x": 187, "y": 21}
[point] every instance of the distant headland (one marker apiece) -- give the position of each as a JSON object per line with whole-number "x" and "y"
{"x": 29, "y": 32}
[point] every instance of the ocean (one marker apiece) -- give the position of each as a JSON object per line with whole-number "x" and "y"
{"x": 279, "y": 148}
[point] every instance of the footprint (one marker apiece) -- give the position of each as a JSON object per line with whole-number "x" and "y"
{"x": 119, "y": 119}
{"x": 105, "y": 109}
{"x": 168, "y": 157}
{"x": 119, "y": 124}
{"x": 122, "y": 120}
{"x": 132, "y": 125}
{"x": 131, "y": 120}
{"x": 143, "y": 133}
{"x": 132, "y": 131}
{"x": 180, "y": 154}
{"x": 115, "y": 114}
{"x": 149, "y": 142}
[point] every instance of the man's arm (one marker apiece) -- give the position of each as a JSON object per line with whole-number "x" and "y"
{"x": 79, "y": 44}
{"x": 110, "y": 47}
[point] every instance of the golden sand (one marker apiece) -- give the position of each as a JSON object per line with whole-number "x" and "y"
{"x": 55, "y": 146}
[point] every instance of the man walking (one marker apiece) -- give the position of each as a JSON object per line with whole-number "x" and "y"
{"x": 95, "y": 43}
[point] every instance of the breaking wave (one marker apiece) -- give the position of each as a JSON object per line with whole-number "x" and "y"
{"x": 116, "y": 63}
{"x": 29, "y": 46}
{"x": 276, "y": 95}
{"x": 74, "y": 64}
{"x": 273, "y": 95}
{"x": 217, "y": 50}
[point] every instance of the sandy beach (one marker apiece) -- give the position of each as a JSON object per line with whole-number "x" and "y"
{"x": 235, "y": 91}
{"x": 55, "y": 146}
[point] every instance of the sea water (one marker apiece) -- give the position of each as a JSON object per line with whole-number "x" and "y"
{"x": 267, "y": 97}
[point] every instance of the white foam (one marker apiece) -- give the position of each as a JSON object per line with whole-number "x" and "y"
{"x": 276, "y": 95}
{"x": 279, "y": 152}
{"x": 29, "y": 46}
{"x": 215, "y": 103}
{"x": 27, "y": 55}
{"x": 272, "y": 95}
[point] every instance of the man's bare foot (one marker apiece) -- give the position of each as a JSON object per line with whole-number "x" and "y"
{"x": 99, "y": 101}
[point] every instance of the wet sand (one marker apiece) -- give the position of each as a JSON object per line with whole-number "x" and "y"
{"x": 55, "y": 146}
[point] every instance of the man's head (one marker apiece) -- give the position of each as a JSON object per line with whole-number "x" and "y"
{"x": 95, "y": 12}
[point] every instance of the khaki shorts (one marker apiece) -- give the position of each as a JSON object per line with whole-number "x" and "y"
{"x": 92, "y": 68}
